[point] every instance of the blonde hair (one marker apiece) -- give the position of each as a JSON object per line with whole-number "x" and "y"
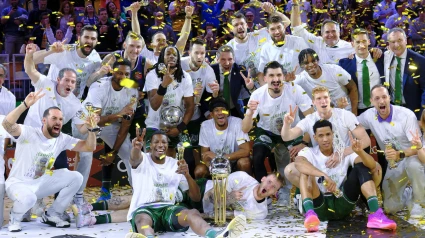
{"x": 319, "y": 89}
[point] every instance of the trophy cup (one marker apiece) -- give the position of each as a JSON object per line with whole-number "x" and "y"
{"x": 170, "y": 117}
{"x": 198, "y": 96}
{"x": 389, "y": 145}
{"x": 143, "y": 3}
{"x": 180, "y": 151}
{"x": 133, "y": 100}
{"x": 68, "y": 47}
{"x": 162, "y": 68}
{"x": 220, "y": 169}
{"x": 90, "y": 111}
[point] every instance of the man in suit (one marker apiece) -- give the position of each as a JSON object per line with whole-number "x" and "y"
{"x": 364, "y": 71}
{"x": 231, "y": 78}
{"x": 403, "y": 74}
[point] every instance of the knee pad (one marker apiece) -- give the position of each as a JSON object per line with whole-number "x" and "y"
{"x": 363, "y": 173}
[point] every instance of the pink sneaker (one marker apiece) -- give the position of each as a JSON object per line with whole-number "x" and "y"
{"x": 378, "y": 220}
{"x": 311, "y": 221}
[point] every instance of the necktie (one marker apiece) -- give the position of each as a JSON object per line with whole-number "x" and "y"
{"x": 366, "y": 84}
{"x": 397, "y": 95}
{"x": 226, "y": 89}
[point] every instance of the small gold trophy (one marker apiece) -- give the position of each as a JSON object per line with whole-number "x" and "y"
{"x": 133, "y": 100}
{"x": 198, "y": 96}
{"x": 90, "y": 110}
{"x": 220, "y": 169}
{"x": 143, "y": 3}
{"x": 180, "y": 151}
{"x": 389, "y": 145}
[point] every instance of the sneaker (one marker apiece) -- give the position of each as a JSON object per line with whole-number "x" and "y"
{"x": 417, "y": 211}
{"x": 378, "y": 220}
{"x": 14, "y": 224}
{"x": 55, "y": 221}
{"x": 407, "y": 198}
{"x": 82, "y": 219}
{"x": 39, "y": 208}
{"x": 298, "y": 203}
{"x": 134, "y": 235}
{"x": 311, "y": 221}
{"x": 234, "y": 229}
{"x": 65, "y": 217}
{"x": 104, "y": 195}
{"x": 27, "y": 216}
{"x": 84, "y": 207}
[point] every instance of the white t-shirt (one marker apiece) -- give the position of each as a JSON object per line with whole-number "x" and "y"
{"x": 318, "y": 160}
{"x": 248, "y": 205}
{"x": 7, "y": 101}
{"x": 398, "y": 130}
{"x": 286, "y": 55}
{"x": 174, "y": 96}
{"x": 102, "y": 95}
{"x": 205, "y": 75}
{"x": 273, "y": 110}
{"x": 70, "y": 59}
{"x": 155, "y": 183}
{"x": 333, "y": 77}
{"x": 226, "y": 141}
{"x": 342, "y": 122}
{"x": 33, "y": 152}
{"x": 3, "y": 136}
{"x": 69, "y": 105}
{"x": 150, "y": 55}
{"x": 248, "y": 53}
{"x": 326, "y": 54}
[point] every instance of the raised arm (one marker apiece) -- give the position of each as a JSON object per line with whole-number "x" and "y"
{"x": 135, "y": 25}
{"x": 56, "y": 47}
{"x": 364, "y": 157}
{"x": 89, "y": 144}
{"x": 136, "y": 156}
{"x": 157, "y": 95}
{"x": 296, "y": 14}
{"x": 185, "y": 32}
{"x": 272, "y": 10}
{"x": 9, "y": 122}
{"x": 29, "y": 63}
{"x": 360, "y": 133}
{"x": 287, "y": 132}
{"x": 248, "y": 120}
{"x": 106, "y": 67}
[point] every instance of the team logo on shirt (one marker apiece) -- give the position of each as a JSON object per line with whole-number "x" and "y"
{"x": 265, "y": 138}
{"x": 165, "y": 102}
{"x": 138, "y": 75}
{"x": 279, "y": 123}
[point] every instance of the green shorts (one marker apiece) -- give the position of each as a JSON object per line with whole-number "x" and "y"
{"x": 270, "y": 139}
{"x": 187, "y": 202}
{"x": 172, "y": 141}
{"x": 163, "y": 218}
{"x": 333, "y": 208}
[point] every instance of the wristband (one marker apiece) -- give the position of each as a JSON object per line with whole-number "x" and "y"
{"x": 188, "y": 17}
{"x": 181, "y": 127}
{"x": 25, "y": 104}
{"x": 94, "y": 129}
{"x": 161, "y": 90}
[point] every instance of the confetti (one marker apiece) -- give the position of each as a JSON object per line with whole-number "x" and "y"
{"x": 128, "y": 83}
{"x": 145, "y": 227}
{"x": 392, "y": 123}
{"x": 207, "y": 99}
{"x": 225, "y": 112}
{"x": 413, "y": 147}
{"x": 401, "y": 180}
{"x": 137, "y": 125}
{"x": 220, "y": 133}
{"x": 162, "y": 157}
{"x": 236, "y": 181}
{"x": 331, "y": 210}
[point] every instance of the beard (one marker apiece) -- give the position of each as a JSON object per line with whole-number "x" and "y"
{"x": 84, "y": 51}
{"x": 51, "y": 133}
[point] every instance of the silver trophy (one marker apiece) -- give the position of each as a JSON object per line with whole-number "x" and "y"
{"x": 170, "y": 117}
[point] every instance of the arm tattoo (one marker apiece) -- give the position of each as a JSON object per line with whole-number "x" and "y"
{"x": 11, "y": 128}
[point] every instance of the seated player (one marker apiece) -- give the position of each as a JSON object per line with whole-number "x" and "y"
{"x": 335, "y": 199}
{"x": 223, "y": 135}
{"x": 156, "y": 178}
{"x": 244, "y": 195}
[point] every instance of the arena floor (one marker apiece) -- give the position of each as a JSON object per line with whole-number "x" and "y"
{"x": 279, "y": 223}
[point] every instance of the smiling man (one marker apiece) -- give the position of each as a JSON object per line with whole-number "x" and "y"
{"x": 115, "y": 105}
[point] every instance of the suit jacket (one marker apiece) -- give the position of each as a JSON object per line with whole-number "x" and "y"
{"x": 413, "y": 88}
{"x": 236, "y": 85}
{"x": 350, "y": 65}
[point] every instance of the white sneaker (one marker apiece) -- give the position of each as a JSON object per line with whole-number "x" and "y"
{"x": 83, "y": 206}
{"x": 82, "y": 219}
{"x": 417, "y": 212}
{"x": 234, "y": 229}
{"x": 39, "y": 208}
{"x": 27, "y": 216}
{"x": 299, "y": 203}
{"x": 54, "y": 220}
{"x": 65, "y": 217}
{"x": 14, "y": 224}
